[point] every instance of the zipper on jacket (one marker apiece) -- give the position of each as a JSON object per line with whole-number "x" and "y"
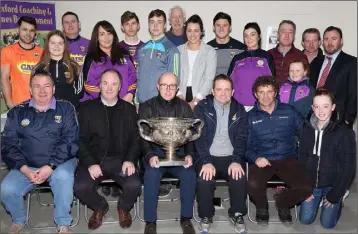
{"x": 319, "y": 160}
{"x": 57, "y": 69}
{"x": 210, "y": 118}
{"x": 281, "y": 73}
{"x": 151, "y": 53}
{"x": 105, "y": 155}
{"x": 234, "y": 121}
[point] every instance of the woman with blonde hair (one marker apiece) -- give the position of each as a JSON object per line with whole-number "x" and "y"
{"x": 65, "y": 73}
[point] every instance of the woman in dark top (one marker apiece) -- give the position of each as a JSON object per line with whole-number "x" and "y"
{"x": 65, "y": 73}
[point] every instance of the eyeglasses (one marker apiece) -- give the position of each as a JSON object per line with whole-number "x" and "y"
{"x": 166, "y": 86}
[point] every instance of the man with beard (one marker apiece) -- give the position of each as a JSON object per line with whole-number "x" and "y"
{"x": 337, "y": 72}
{"x": 17, "y": 61}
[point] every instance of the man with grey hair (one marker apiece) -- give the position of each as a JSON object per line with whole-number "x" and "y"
{"x": 285, "y": 51}
{"x": 176, "y": 22}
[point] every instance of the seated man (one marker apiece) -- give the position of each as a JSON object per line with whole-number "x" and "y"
{"x": 39, "y": 144}
{"x": 109, "y": 149}
{"x": 271, "y": 150}
{"x": 221, "y": 149}
{"x": 167, "y": 104}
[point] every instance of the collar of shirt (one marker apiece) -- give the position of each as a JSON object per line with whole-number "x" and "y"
{"x": 334, "y": 56}
{"x": 51, "y": 106}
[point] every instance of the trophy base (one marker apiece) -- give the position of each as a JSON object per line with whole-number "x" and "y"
{"x": 171, "y": 163}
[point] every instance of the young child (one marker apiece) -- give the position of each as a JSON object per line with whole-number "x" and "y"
{"x": 297, "y": 91}
{"x": 328, "y": 152}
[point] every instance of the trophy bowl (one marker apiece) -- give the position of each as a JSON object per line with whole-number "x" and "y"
{"x": 171, "y": 134}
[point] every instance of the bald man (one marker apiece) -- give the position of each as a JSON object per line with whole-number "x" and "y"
{"x": 167, "y": 104}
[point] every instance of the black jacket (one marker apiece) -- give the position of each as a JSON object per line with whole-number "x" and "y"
{"x": 158, "y": 107}
{"x": 330, "y": 159}
{"x": 238, "y": 126}
{"x": 341, "y": 81}
{"x": 71, "y": 92}
{"x": 94, "y": 132}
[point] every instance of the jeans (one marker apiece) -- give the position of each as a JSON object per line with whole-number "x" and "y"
{"x": 16, "y": 185}
{"x": 329, "y": 216}
{"x": 152, "y": 178}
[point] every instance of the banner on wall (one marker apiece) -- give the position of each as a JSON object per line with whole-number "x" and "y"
{"x": 11, "y": 11}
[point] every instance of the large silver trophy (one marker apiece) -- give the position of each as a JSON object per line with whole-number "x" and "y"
{"x": 171, "y": 133}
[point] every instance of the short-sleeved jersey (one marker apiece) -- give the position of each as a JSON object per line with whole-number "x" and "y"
{"x": 21, "y": 62}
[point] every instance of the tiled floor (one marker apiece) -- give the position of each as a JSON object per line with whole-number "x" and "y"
{"x": 41, "y": 215}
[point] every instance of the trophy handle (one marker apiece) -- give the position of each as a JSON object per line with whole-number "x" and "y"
{"x": 200, "y": 128}
{"x": 141, "y": 131}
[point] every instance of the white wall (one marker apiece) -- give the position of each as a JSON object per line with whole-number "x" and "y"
{"x": 319, "y": 14}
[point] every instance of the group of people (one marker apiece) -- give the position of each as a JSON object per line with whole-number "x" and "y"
{"x": 284, "y": 111}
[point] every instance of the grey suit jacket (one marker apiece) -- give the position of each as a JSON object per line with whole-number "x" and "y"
{"x": 204, "y": 70}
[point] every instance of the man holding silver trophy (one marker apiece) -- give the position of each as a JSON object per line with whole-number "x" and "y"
{"x": 167, "y": 129}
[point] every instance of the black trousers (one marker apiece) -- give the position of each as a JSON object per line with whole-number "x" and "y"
{"x": 86, "y": 188}
{"x": 205, "y": 190}
{"x": 290, "y": 172}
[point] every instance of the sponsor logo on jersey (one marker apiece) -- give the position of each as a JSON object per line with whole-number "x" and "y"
{"x": 25, "y": 122}
{"x": 25, "y": 67}
{"x": 58, "y": 118}
{"x": 78, "y": 58}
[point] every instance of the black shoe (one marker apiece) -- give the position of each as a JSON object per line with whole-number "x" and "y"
{"x": 106, "y": 190}
{"x": 239, "y": 224}
{"x": 262, "y": 216}
{"x": 187, "y": 226}
{"x": 284, "y": 214}
{"x": 150, "y": 228}
{"x": 115, "y": 191}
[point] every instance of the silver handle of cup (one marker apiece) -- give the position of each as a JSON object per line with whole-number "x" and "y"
{"x": 141, "y": 130}
{"x": 200, "y": 128}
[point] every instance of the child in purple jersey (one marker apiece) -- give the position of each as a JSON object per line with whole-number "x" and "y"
{"x": 297, "y": 90}
{"x": 77, "y": 45}
{"x": 131, "y": 44}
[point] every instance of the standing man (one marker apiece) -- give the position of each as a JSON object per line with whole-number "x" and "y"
{"x": 271, "y": 150}
{"x": 77, "y": 45}
{"x": 285, "y": 51}
{"x": 109, "y": 148}
{"x": 131, "y": 44}
{"x": 226, "y": 46}
{"x": 17, "y": 61}
{"x": 177, "y": 19}
{"x": 39, "y": 144}
{"x": 167, "y": 104}
{"x": 337, "y": 72}
{"x": 221, "y": 149}
{"x": 311, "y": 42}
{"x": 157, "y": 56}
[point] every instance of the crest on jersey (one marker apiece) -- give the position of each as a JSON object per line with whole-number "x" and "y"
{"x": 132, "y": 52}
{"x": 25, "y": 122}
{"x": 36, "y": 54}
{"x": 260, "y": 63}
{"x": 58, "y": 118}
{"x": 159, "y": 54}
{"x": 82, "y": 48}
{"x": 232, "y": 53}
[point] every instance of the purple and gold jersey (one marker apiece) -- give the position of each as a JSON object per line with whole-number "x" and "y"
{"x": 132, "y": 51}
{"x": 78, "y": 49}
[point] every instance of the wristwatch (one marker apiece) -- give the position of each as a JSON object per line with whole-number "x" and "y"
{"x": 52, "y": 166}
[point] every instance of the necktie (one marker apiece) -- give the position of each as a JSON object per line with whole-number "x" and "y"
{"x": 325, "y": 73}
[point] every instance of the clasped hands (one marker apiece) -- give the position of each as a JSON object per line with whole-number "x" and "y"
{"x": 127, "y": 169}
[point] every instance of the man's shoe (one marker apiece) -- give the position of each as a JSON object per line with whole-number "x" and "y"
{"x": 125, "y": 218}
{"x": 205, "y": 224}
{"x": 150, "y": 228}
{"x": 106, "y": 190}
{"x": 63, "y": 229}
{"x": 115, "y": 191}
{"x": 284, "y": 214}
{"x": 262, "y": 216}
{"x": 239, "y": 224}
{"x": 95, "y": 220}
{"x": 16, "y": 228}
{"x": 187, "y": 226}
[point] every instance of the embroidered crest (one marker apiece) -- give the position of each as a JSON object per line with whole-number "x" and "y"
{"x": 36, "y": 55}
{"x": 132, "y": 52}
{"x": 234, "y": 117}
{"x": 260, "y": 63}
{"x": 301, "y": 91}
{"x": 159, "y": 54}
{"x": 82, "y": 48}
{"x": 25, "y": 122}
{"x": 58, "y": 118}
{"x": 67, "y": 75}
{"x": 232, "y": 53}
